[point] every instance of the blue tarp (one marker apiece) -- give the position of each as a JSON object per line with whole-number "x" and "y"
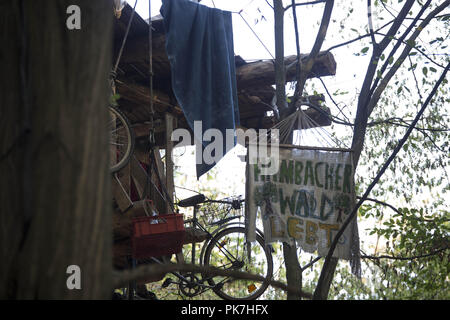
{"x": 199, "y": 44}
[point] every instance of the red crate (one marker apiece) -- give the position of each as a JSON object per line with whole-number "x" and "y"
{"x": 151, "y": 239}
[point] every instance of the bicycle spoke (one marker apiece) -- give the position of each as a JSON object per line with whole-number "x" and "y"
{"x": 121, "y": 139}
{"x": 225, "y": 252}
{"x": 116, "y": 144}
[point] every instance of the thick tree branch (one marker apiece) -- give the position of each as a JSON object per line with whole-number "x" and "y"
{"x": 397, "y": 45}
{"x": 353, "y": 213}
{"x": 143, "y": 272}
{"x": 384, "y": 82}
{"x": 396, "y": 25}
{"x": 362, "y": 113}
{"x": 280, "y": 70}
{"x": 314, "y": 51}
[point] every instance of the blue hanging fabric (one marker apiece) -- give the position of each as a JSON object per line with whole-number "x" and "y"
{"x": 199, "y": 44}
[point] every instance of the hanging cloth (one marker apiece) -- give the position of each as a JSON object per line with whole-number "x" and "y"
{"x": 310, "y": 196}
{"x": 199, "y": 44}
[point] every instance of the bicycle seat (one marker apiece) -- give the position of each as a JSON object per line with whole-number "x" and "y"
{"x": 192, "y": 201}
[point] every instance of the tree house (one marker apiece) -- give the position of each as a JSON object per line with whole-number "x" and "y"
{"x": 255, "y": 82}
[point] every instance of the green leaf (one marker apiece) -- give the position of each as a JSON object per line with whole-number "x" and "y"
{"x": 364, "y": 50}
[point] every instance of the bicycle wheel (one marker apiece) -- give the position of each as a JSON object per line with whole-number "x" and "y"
{"x": 228, "y": 250}
{"x": 121, "y": 140}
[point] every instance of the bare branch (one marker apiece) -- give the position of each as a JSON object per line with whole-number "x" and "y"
{"x": 433, "y": 253}
{"x": 303, "y": 4}
{"x": 359, "y": 37}
{"x": 398, "y": 211}
{"x": 310, "y": 264}
{"x": 418, "y": 50}
{"x": 314, "y": 51}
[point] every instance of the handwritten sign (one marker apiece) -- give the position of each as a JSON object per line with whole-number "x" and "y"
{"x": 306, "y": 201}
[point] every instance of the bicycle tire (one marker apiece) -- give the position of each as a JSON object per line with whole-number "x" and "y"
{"x": 220, "y": 291}
{"x": 124, "y": 124}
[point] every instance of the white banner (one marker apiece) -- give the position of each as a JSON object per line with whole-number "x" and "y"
{"x": 306, "y": 201}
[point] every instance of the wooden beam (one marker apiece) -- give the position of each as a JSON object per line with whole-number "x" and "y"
{"x": 139, "y": 176}
{"x": 140, "y": 94}
{"x": 120, "y": 194}
{"x": 249, "y": 75}
{"x": 261, "y": 73}
{"x": 169, "y": 163}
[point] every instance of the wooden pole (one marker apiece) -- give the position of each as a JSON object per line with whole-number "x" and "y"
{"x": 169, "y": 163}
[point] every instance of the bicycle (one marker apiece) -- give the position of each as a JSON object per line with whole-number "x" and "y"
{"x": 121, "y": 135}
{"x": 224, "y": 248}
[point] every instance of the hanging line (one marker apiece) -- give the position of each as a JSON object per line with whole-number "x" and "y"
{"x": 311, "y": 123}
{"x": 306, "y": 126}
{"x": 256, "y": 35}
{"x": 152, "y": 141}
{"x": 124, "y": 40}
{"x": 150, "y": 71}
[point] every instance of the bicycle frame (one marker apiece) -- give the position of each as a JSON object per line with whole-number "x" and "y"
{"x": 189, "y": 284}
{"x": 195, "y": 223}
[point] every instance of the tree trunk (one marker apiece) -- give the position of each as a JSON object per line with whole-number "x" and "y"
{"x": 55, "y": 190}
{"x": 293, "y": 271}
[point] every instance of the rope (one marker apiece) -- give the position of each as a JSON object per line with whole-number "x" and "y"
{"x": 306, "y": 126}
{"x": 124, "y": 40}
{"x": 150, "y": 71}
{"x": 256, "y": 35}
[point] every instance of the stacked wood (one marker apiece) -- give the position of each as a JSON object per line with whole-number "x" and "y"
{"x": 262, "y": 73}
{"x": 125, "y": 209}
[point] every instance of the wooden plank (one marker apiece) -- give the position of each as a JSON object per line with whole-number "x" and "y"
{"x": 160, "y": 202}
{"x": 169, "y": 163}
{"x": 139, "y": 176}
{"x": 120, "y": 195}
{"x": 124, "y": 176}
{"x": 159, "y": 164}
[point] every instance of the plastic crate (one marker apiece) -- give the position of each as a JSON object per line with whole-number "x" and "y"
{"x": 157, "y": 236}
